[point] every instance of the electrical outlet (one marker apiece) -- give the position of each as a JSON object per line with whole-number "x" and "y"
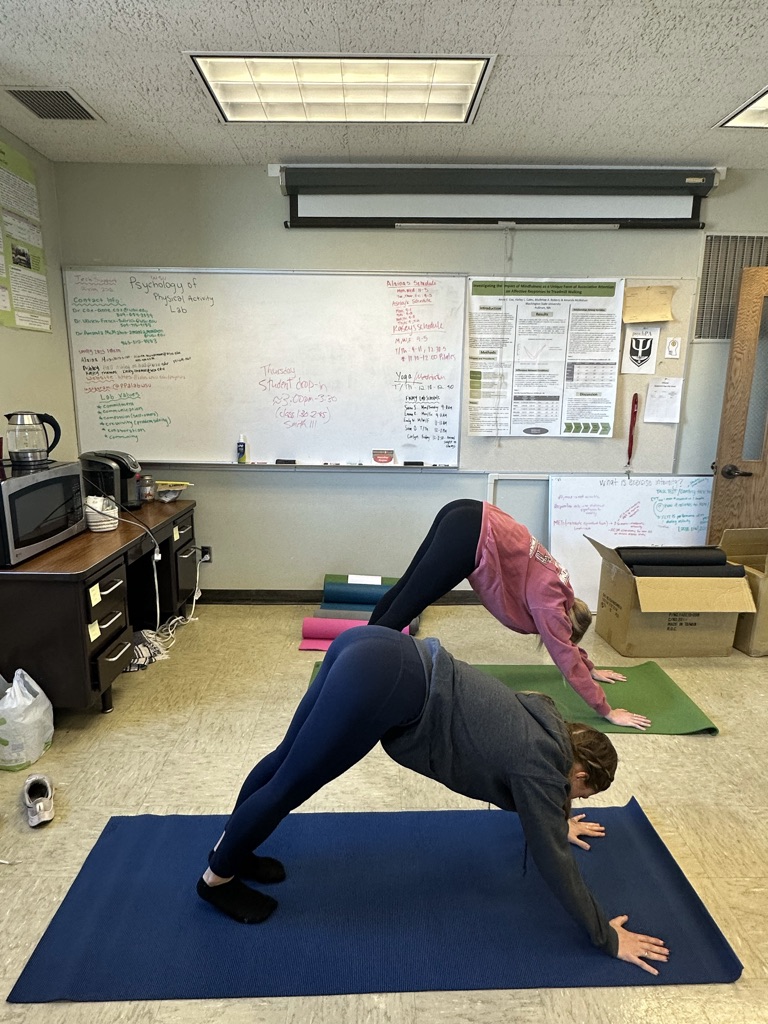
{"x": 206, "y": 553}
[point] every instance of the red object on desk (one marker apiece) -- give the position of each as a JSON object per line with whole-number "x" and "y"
{"x": 632, "y": 422}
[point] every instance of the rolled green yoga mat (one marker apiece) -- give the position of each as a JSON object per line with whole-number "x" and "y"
{"x": 648, "y": 690}
{"x": 341, "y": 613}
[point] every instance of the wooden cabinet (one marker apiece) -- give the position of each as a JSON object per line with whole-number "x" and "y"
{"x": 68, "y": 616}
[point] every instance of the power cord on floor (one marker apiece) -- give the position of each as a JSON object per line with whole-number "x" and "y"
{"x": 164, "y": 637}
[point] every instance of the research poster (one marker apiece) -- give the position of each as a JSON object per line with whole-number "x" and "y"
{"x": 23, "y": 275}
{"x": 543, "y": 356}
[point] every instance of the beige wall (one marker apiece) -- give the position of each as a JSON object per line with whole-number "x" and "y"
{"x": 233, "y": 217}
{"x": 34, "y": 366}
{"x": 275, "y": 529}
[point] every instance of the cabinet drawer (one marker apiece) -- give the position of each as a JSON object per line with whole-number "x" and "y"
{"x": 110, "y": 663}
{"x": 186, "y": 573}
{"x": 110, "y": 586}
{"x": 111, "y": 619}
{"x": 183, "y": 532}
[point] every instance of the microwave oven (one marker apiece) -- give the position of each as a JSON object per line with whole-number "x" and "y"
{"x": 39, "y": 508}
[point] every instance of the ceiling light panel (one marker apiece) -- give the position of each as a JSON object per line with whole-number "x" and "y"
{"x": 753, "y": 115}
{"x": 333, "y": 89}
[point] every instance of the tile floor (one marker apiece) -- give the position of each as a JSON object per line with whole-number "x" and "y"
{"x": 185, "y": 731}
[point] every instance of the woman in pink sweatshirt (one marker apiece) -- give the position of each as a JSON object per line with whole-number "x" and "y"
{"x": 516, "y": 579}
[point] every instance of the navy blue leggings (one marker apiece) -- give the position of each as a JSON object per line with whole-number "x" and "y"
{"x": 446, "y": 556}
{"x": 371, "y": 681}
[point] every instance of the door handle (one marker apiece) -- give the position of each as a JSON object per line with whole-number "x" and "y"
{"x": 730, "y": 471}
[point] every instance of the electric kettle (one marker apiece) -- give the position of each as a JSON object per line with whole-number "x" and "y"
{"x": 28, "y": 439}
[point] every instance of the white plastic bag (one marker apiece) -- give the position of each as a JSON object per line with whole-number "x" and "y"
{"x": 26, "y": 723}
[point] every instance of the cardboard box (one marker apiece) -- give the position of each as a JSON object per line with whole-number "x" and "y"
{"x": 667, "y": 616}
{"x": 750, "y": 549}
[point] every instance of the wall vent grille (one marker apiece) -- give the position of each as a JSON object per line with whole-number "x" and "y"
{"x": 725, "y": 256}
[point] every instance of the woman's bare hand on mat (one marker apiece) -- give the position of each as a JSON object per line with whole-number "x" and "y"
{"x": 605, "y": 675}
{"x": 633, "y": 946}
{"x": 620, "y": 716}
{"x": 578, "y": 827}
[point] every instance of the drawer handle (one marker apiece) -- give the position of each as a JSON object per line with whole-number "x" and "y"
{"x": 109, "y": 590}
{"x": 120, "y": 653}
{"x": 187, "y": 554}
{"x": 108, "y": 623}
{"x": 185, "y": 529}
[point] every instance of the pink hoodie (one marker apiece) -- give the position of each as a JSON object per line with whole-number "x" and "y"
{"x": 522, "y": 585}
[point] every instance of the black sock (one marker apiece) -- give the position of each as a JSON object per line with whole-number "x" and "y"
{"x": 259, "y": 869}
{"x": 238, "y": 901}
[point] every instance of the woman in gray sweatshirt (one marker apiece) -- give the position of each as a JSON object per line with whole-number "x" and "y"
{"x": 450, "y": 722}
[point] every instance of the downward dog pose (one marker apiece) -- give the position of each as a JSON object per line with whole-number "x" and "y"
{"x": 445, "y": 720}
{"x": 516, "y": 579}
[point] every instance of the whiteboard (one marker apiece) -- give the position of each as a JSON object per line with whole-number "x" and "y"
{"x": 622, "y": 511}
{"x": 174, "y": 365}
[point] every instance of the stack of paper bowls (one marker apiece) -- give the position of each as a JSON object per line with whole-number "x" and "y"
{"x": 100, "y": 514}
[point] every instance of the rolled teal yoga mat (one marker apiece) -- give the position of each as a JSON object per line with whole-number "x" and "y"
{"x": 648, "y": 690}
{"x": 338, "y": 590}
{"x": 343, "y": 606}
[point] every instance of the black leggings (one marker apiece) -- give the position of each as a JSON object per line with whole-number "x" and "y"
{"x": 370, "y": 681}
{"x": 447, "y": 555}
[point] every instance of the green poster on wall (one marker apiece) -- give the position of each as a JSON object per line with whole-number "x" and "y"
{"x": 23, "y": 274}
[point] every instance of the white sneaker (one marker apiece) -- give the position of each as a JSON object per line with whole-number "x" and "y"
{"x": 38, "y": 799}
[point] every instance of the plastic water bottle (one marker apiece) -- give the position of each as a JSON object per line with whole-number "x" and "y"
{"x": 242, "y": 449}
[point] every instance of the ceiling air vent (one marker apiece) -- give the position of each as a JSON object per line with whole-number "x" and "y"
{"x": 53, "y": 104}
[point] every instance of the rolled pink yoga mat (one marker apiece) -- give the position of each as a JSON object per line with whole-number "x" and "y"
{"x": 318, "y": 634}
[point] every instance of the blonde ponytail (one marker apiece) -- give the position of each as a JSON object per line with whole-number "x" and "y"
{"x": 581, "y": 619}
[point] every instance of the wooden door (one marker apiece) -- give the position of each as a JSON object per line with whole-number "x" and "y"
{"x": 740, "y": 491}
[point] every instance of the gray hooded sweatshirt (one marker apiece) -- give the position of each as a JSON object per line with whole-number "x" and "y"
{"x": 486, "y": 742}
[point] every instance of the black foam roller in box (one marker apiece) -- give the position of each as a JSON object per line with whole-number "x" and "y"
{"x": 701, "y": 555}
{"x": 689, "y": 570}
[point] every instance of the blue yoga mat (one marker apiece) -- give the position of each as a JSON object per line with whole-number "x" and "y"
{"x": 373, "y": 902}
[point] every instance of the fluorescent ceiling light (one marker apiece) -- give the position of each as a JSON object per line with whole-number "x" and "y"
{"x": 753, "y": 115}
{"x": 348, "y": 89}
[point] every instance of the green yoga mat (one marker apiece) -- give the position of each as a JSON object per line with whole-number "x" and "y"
{"x": 648, "y": 690}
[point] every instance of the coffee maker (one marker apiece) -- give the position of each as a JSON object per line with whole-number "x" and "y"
{"x": 112, "y": 473}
